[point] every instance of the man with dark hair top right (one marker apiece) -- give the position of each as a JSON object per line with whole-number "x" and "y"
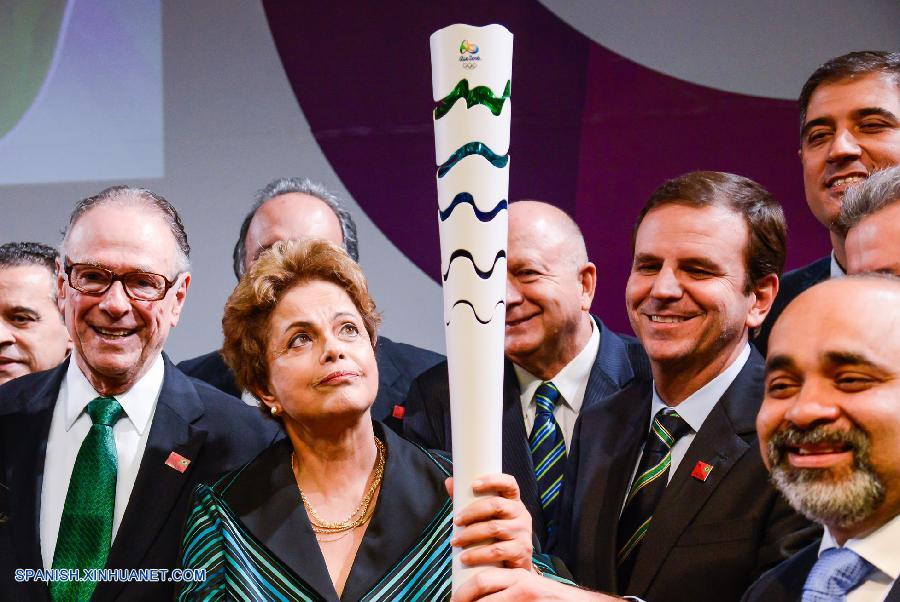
{"x": 849, "y": 128}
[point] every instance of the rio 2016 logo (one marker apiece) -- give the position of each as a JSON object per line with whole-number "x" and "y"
{"x": 467, "y": 47}
{"x": 468, "y": 54}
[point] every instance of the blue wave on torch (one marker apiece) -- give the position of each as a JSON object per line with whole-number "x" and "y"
{"x": 472, "y": 148}
{"x": 475, "y": 313}
{"x": 464, "y": 197}
{"x": 484, "y": 275}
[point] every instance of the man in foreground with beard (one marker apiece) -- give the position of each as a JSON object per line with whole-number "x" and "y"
{"x": 829, "y": 431}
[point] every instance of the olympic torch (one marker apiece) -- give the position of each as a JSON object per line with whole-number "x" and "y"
{"x": 470, "y": 74}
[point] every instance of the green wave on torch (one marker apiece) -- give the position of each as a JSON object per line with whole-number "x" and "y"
{"x": 472, "y": 148}
{"x": 479, "y": 95}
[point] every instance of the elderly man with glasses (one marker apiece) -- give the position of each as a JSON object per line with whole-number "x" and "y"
{"x": 99, "y": 456}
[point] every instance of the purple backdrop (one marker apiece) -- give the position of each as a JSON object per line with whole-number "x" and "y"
{"x": 592, "y": 132}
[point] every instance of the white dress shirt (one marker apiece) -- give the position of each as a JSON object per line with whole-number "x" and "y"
{"x": 250, "y": 399}
{"x": 571, "y": 381}
{"x": 697, "y": 406}
{"x": 694, "y": 410}
{"x": 835, "y": 271}
{"x": 879, "y": 548}
{"x": 68, "y": 428}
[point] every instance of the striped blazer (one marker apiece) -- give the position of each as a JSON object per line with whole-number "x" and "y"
{"x": 251, "y": 535}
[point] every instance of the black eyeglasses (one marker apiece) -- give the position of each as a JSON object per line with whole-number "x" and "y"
{"x": 95, "y": 280}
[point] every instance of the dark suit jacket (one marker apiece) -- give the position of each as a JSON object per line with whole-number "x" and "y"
{"x": 263, "y": 497}
{"x": 255, "y": 521}
{"x": 427, "y": 419}
{"x": 792, "y": 284}
{"x": 708, "y": 540}
{"x": 785, "y": 582}
{"x": 398, "y": 365}
{"x": 215, "y": 431}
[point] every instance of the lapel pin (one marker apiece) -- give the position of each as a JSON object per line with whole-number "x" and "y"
{"x": 398, "y": 412}
{"x": 177, "y": 461}
{"x": 701, "y": 470}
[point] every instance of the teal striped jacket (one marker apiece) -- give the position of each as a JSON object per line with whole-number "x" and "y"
{"x": 250, "y": 534}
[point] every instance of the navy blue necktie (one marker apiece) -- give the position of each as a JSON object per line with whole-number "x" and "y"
{"x": 548, "y": 452}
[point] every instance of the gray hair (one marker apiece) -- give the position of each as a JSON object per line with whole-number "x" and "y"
{"x": 135, "y": 197}
{"x": 876, "y": 192}
{"x": 302, "y": 186}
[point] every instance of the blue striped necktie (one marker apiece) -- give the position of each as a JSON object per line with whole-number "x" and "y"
{"x": 648, "y": 486}
{"x": 548, "y": 452}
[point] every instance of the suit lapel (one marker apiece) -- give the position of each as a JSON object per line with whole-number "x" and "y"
{"x": 784, "y": 583}
{"x": 610, "y": 438}
{"x": 25, "y": 487}
{"x": 157, "y": 486}
{"x": 516, "y": 453}
{"x": 792, "y": 577}
{"x": 388, "y": 373}
{"x": 220, "y": 375}
{"x": 718, "y": 443}
{"x": 819, "y": 272}
{"x": 413, "y": 489}
{"x": 715, "y": 444}
{"x": 266, "y": 500}
{"x": 26, "y": 449}
{"x": 611, "y": 370}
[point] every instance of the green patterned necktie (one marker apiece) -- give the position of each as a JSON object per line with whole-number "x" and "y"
{"x": 85, "y": 531}
{"x": 649, "y": 484}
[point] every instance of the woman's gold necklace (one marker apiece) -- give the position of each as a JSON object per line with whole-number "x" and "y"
{"x": 360, "y": 515}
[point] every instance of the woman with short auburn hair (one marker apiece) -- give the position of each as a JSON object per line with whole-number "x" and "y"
{"x": 341, "y": 508}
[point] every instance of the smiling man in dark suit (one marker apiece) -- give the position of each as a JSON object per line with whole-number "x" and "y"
{"x": 830, "y": 432}
{"x": 99, "y": 456}
{"x": 32, "y": 334}
{"x": 291, "y": 208}
{"x": 671, "y": 500}
{"x": 556, "y": 354}
{"x": 850, "y": 127}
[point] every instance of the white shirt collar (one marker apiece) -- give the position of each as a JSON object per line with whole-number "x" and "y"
{"x": 700, "y": 403}
{"x": 571, "y": 380}
{"x": 878, "y": 547}
{"x": 835, "y": 271}
{"x": 78, "y": 392}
